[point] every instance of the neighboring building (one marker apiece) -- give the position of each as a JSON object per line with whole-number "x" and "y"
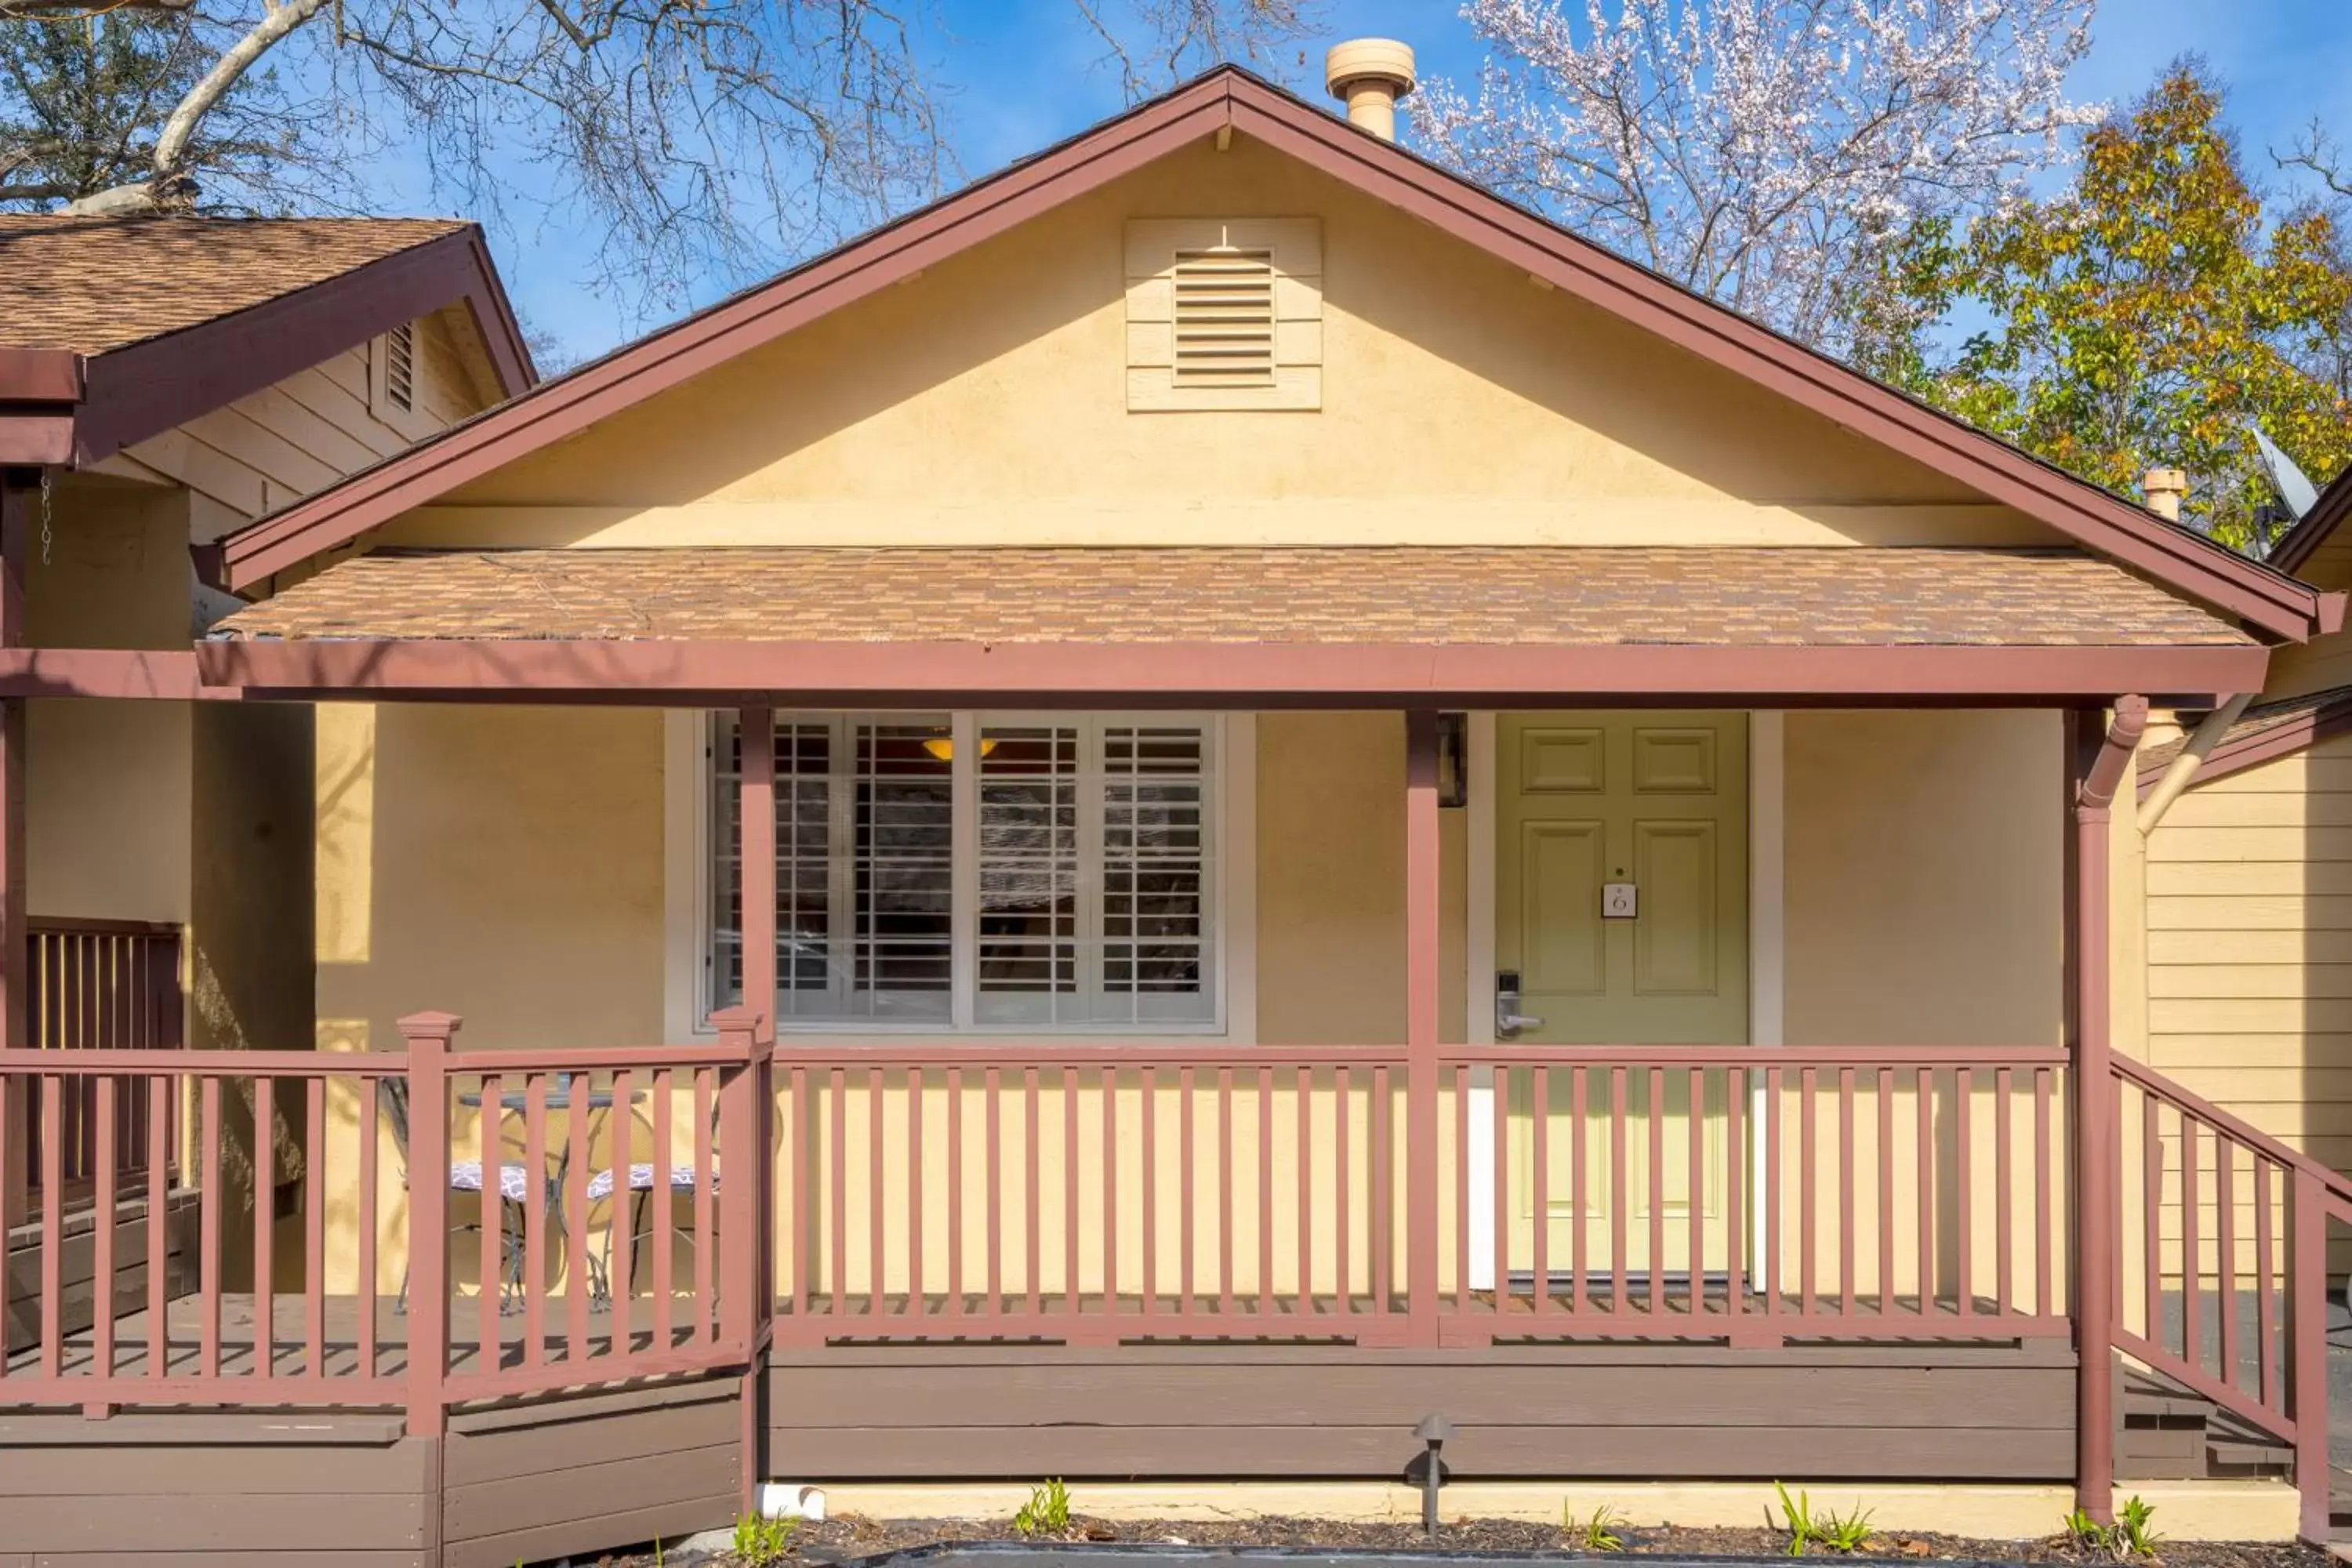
{"x": 2243, "y": 988}
{"x": 163, "y": 381}
{"x": 1331, "y": 806}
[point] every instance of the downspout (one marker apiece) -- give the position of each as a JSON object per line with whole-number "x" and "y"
{"x": 2193, "y": 753}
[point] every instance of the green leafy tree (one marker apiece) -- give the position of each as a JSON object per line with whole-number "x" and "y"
{"x": 2140, "y": 318}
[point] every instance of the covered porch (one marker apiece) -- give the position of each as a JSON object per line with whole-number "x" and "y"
{"x": 1018, "y": 1231}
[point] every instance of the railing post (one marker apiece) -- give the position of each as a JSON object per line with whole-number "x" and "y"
{"x": 428, "y": 1035}
{"x": 2102, "y": 756}
{"x": 739, "y": 1205}
{"x": 1421, "y": 908}
{"x": 2306, "y": 1349}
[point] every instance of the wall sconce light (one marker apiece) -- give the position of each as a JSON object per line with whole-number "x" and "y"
{"x": 1454, "y": 759}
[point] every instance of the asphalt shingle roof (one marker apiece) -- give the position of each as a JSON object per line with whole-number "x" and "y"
{"x": 1522, "y": 594}
{"x": 91, "y": 284}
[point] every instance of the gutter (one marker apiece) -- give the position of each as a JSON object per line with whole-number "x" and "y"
{"x": 2193, "y": 753}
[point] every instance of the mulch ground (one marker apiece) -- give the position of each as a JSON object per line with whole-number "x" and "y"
{"x": 840, "y": 1539}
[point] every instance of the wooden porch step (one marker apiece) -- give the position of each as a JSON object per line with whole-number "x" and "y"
{"x": 2167, "y": 1433}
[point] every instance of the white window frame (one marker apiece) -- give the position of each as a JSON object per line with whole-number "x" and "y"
{"x": 688, "y": 916}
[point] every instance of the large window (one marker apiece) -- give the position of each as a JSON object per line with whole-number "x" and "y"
{"x": 980, "y": 871}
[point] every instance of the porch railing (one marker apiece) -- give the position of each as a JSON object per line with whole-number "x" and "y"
{"x": 2220, "y": 1257}
{"x": 1097, "y": 1193}
{"x": 101, "y": 985}
{"x": 516, "y": 1301}
{"x": 671, "y": 1209}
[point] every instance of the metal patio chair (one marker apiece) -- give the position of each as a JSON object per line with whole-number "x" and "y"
{"x": 468, "y": 1176}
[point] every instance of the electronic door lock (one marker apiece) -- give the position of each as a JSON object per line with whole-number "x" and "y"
{"x": 1509, "y": 1019}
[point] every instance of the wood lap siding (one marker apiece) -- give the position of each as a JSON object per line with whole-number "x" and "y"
{"x": 2250, "y": 947}
{"x": 308, "y": 430}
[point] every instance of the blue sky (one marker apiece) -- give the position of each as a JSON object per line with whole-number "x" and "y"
{"x": 1025, "y": 73}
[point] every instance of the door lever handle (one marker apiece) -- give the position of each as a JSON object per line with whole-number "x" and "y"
{"x": 1509, "y": 1019}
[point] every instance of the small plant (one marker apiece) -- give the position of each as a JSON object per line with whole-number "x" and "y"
{"x": 2132, "y": 1537}
{"x": 1597, "y": 1533}
{"x": 2129, "y": 1537}
{"x": 1829, "y": 1530}
{"x": 759, "y": 1542}
{"x": 1047, "y": 1511}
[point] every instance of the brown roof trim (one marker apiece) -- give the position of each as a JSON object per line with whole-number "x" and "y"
{"x": 2183, "y": 560}
{"x": 2257, "y": 739}
{"x": 1263, "y": 674}
{"x": 39, "y": 391}
{"x": 2313, "y": 529}
{"x": 129, "y": 394}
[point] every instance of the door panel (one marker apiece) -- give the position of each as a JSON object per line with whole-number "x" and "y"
{"x": 1564, "y": 950}
{"x": 1660, "y": 800}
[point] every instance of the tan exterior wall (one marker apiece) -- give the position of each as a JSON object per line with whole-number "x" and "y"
{"x": 1925, "y": 898}
{"x": 107, "y": 827}
{"x": 2250, "y": 947}
{"x": 983, "y": 401}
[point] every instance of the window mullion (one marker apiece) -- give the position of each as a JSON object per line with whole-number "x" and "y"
{"x": 841, "y": 861}
{"x": 964, "y": 910}
{"x": 1089, "y": 999}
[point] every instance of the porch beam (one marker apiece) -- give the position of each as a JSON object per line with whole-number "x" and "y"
{"x": 168, "y": 674}
{"x": 916, "y": 674}
{"x": 1422, "y": 924}
{"x": 2102, "y": 761}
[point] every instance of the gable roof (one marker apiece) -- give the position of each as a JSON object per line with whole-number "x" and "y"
{"x": 1229, "y": 100}
{"x": 2314, "y": 528}
{"x": 115, "y": 329}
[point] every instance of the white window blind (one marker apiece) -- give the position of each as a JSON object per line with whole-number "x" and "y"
{"x": 1075, "y": 886}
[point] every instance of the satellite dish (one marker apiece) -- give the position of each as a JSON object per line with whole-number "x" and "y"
{"x": 2297, "y": 492}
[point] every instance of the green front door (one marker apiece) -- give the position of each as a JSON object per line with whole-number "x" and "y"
{"x": 1621, "y": 889}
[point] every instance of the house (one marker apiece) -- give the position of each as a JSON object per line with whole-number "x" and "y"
{"x": 2229, "y": 895}
{"x": 1213, "y": 798}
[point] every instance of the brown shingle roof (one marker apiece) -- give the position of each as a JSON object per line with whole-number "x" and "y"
{"x": 91, "y": 284}
{"x": 1527, "y": 595}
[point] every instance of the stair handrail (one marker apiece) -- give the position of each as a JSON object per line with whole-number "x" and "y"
{"x": 2316, "y": 1192}
{"x": 2336, "y": 1186}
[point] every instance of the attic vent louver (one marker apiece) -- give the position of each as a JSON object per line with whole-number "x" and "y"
{"x": 1224, "y": 313}
{"x": 400, "y": 366}
{"x": 1224, "y": 318}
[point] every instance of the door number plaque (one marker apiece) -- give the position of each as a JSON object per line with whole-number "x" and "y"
{"x": 1619, "y": 901}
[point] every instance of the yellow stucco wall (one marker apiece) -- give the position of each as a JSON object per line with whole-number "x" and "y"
{"x": 1924, "y": 900}
{"x": 983, "y": 401}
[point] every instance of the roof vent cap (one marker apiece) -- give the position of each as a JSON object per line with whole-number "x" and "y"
{"x": 1369, "y": 75}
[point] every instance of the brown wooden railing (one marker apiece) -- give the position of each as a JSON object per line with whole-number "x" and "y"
{"x": 530, "y": 1309}
{"x": 101, "y": 985}
{"x": 1751, "y": 1193}
{"x": 1097, "y": 1193}
{"x": 1091, "y": 1192}
{"x": 2215, "y": 1212}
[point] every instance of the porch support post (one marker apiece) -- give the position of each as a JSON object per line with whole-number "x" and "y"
{"x": 17, "y": 487}
{"x": 755, "y": 841}
{"x": 2104, "y": 759}
{"x": 1421, "y": 970}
